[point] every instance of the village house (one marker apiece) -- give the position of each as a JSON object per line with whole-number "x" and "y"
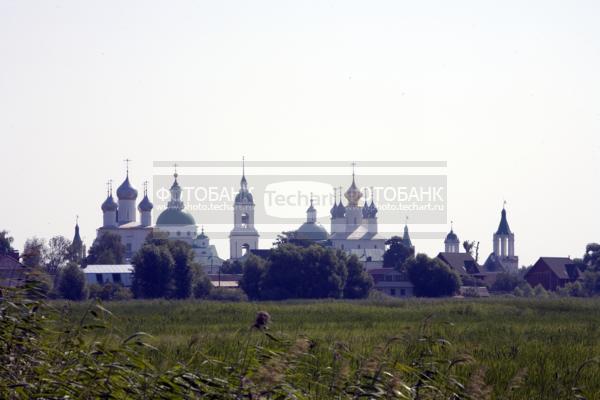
{"x": 391, "y": 282}
{"x": 12, "y": 272}
{"x": 552, "y": 272}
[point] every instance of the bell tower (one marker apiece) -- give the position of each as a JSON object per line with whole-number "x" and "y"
{"x": 243, "y": 236}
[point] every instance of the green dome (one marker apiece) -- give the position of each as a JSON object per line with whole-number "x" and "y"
{"x": 173, "y": 216}
{"x": 311, "y": 231}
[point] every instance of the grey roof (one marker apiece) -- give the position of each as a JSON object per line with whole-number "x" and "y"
{"x": 145, "y": 204}
{"x": 174, "y": 216}
{"x": 126, "y": 191}
{"x": 360, "y": 233}
{"x": 108, "y": 269}
{"x": 109, "y": 204}
{"x": 368, "y": 254}
{"x": 562, "y": 267}
{"x": 463, "y": 263}
{"x": 311, "y": 231}
{"x": 503, "y": 228}
{"x": 493, "y": 264}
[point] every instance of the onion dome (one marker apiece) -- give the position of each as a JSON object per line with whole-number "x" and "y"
{"x": 333, "y": 210}
{"x": 451, "y": 237}
{"x": 109, "y": 204}
{"x": 353, "y": 195}
{"x": 341, "y": 210}
{"x": 202, "y": 235}
{"x": 145, "y": 204}
{"x": 372, "y": 209}
{"x": 366, "y": 212}
{"x": 126, "y": 191}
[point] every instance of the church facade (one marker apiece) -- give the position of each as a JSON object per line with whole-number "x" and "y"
{"x": 173, "y": 222}
{"x": 121, "y": 217}
{"x": 354, "y": 227}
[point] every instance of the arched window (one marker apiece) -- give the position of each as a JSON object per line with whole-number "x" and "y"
{"x": 245, "y": 249}
{"x": 245, "y": 220}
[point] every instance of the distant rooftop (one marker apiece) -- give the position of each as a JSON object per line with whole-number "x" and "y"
{"x": 108, "y": 269}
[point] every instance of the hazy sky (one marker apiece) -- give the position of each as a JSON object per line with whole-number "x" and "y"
{"x": 507, "y": 92}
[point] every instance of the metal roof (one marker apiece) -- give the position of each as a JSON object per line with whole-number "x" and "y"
{"x": 108, "y": 269}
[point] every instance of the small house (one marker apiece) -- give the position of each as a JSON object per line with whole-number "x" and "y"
{"x": 552, "y": 272}
{"x": 391, "y": 282}
{"x": 121, "y": 274}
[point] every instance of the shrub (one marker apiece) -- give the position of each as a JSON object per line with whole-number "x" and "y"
{"x": 109, "y": 291}
{"x": 202, "y": 287}
{"x": 431, "y": 277}
{"x": 506, "y": 282}
{"x": 122, "y": 294}
{"x": 223, "y": 294}
{"x": 71, "y": 283}
{"x": 540, "y": 292}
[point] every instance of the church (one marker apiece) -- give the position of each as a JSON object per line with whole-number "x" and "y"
{"x": 174, "y": 223}
{"x": 354, "y": 227}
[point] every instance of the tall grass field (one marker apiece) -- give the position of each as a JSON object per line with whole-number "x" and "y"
{"x": 502, "y": 348}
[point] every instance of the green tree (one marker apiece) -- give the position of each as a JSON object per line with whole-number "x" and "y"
{"x": 58, "y": 254}
{"x": 34, "y": 253}
{"x": 303, "y": 272}
{"x": 290, "y": 237}
{"x": 183, "y": 258}
{"x": 152, "y": 269}
{"x": 397, "y": 253}
{"x": 254, "y": 270}
{"x": 592, "y": 255}
{"x": 284, "y": 274}
{"x": 6, "y": 243}
{"x": 71, "y": 283}
{"x": 431, "y": 277}
{"x": 232, "y": 267}
{"x": 324, "y": 273}
{"x": 202, "y": 287}
{"x": 359, "y": 282}
{"x": 506, "y": 282}
{"x": 106, "y": 249}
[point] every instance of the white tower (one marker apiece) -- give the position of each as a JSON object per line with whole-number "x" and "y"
{"x": 145, "y": 208}
{"x": 244, "y": 236}
{"x": 452, "y": 244}
{"x": 504, "y": 244}
{"x": 109, "y": 209}
{"x": 127, "y": 196}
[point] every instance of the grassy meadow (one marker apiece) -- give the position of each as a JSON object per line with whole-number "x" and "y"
{"x": 516, "y": 348}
